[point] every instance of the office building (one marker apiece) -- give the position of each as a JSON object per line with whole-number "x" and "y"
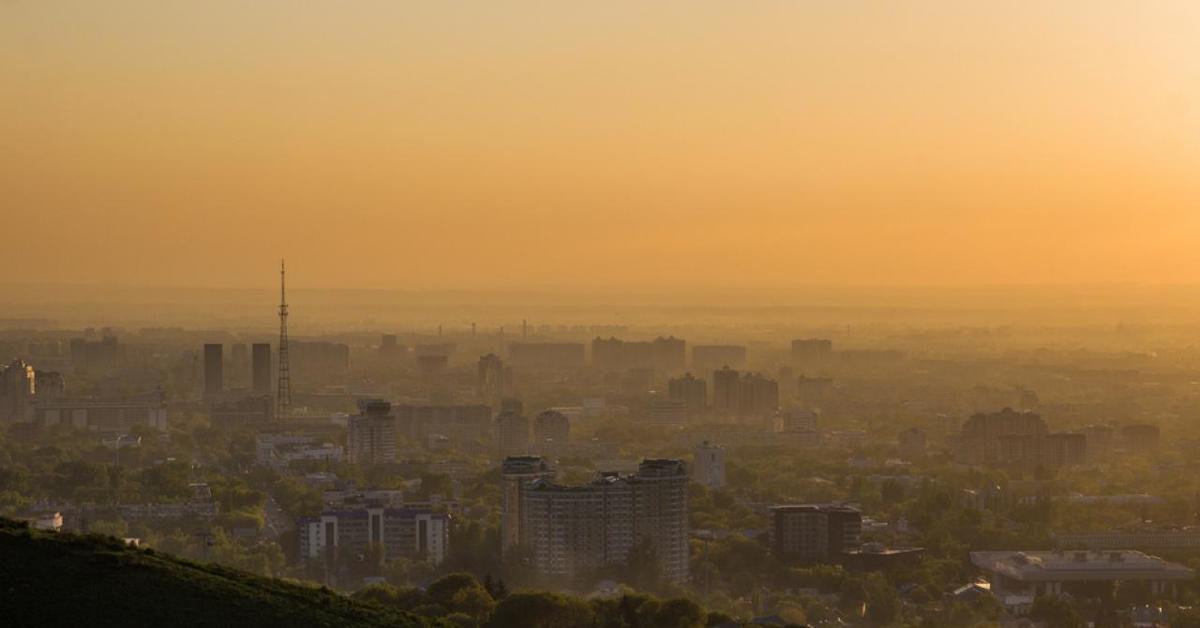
{"x": 516, "y": 472}
{"x": 708, "y": 465}
{"x": 371, "y": 437}
{"x": 214, "y": 369}
{"x": 576, "y": 530}
{"x": 260, "y": 367}
{"x": 401, "y": 532}
{"x": 814, "y": 533}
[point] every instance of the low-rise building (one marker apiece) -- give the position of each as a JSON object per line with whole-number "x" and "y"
{"x": 1047, "y": 572}
{"x": 814, "y": 533}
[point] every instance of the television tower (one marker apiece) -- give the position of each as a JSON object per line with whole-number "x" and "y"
{"x": 283, "y": 400}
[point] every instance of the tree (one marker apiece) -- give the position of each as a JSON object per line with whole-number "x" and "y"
{"x": 883, "y": 604}
{"x": 461, "y": 593}
{"x": 679, "y": 613}
{"x": 1055, "y": 611}
{"x": 540, "y": 610}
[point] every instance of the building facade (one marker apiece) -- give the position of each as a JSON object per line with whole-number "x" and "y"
{"x": 573, "y": 530}
{"x": 814, "y": 533}
{"x": 708, "y": 465}
{"x": 516, "y": 472}
{"x": 418, "y": 534}
{"x": 371, "y": 437}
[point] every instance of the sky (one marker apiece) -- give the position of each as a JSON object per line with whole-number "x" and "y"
{"x": 642, "y": 145}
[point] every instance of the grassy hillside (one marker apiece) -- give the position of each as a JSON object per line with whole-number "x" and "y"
{"x": 49, "y": 579}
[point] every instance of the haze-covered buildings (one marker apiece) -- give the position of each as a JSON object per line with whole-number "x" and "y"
{"x": 574, "y": 530}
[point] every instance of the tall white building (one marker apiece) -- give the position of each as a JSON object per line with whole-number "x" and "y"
{"x": 708, "y": 466}
{"x": 573, "y": 530}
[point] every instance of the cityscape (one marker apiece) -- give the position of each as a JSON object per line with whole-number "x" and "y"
{"x": 507, "y": 314}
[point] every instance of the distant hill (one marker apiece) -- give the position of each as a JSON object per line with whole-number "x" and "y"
{"x": 49, "y": 579}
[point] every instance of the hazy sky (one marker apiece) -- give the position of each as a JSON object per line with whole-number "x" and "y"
{"x": 483, "y": 144}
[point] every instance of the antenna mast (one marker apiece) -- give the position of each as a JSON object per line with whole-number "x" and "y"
{"x": 283, "y": 400}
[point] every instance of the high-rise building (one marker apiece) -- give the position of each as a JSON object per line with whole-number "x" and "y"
{"x": 551, "y": 432}
{"x": 811, "y": 533}
{"x": 214, "y": 369}
{"x": 18, "y": 385}
{"x": 574, "y": 530}
{"x": 260, "y": 357}
{"x": 692, "y": 391}
{"x": 726, "y": 391}
{"x": 758, "y": 396}
{"x": 512, "y": 434}
{"x": 401, "y": 532}
{"x": 708, "y": 465}
{"x": 515, "y": 474}
{"x": 371, "y": 437}
{"x": 490, "y": 383}
{"x": 994, "y": 438}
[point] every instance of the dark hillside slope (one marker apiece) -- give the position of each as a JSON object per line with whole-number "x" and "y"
{"x": 49, "y": 579}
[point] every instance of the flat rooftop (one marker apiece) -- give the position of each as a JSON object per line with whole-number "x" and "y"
{"x": 1079, "y": 566}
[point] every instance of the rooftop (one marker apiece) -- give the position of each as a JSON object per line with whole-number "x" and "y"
{"x": 1064, "y": 566}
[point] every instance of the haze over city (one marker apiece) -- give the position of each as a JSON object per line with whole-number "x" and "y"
{"x": 618, "y": 145}
{"x": 517, "y": 314}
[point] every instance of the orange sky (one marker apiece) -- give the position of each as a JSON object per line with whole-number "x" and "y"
{"x": 500, "y": 144}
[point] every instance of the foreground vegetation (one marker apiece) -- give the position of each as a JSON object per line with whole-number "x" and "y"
{"x": 67, "y": 580}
